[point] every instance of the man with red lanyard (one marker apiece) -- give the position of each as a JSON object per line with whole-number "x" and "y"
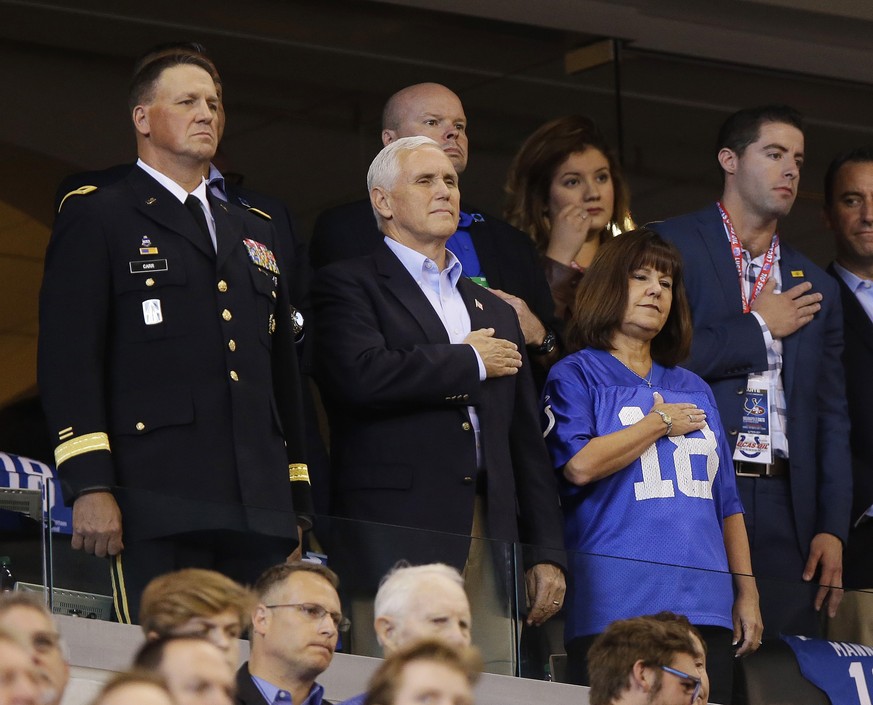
{"x": 768, "y": 339}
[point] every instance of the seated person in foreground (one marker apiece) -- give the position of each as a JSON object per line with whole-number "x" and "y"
{"x": 198, "y": 602}
{"x": 429, "y": 671}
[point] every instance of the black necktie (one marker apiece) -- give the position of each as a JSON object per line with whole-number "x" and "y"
{"x": 195, "y": 207}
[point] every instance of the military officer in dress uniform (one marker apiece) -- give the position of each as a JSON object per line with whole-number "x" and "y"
{"x": 166, "y": 357}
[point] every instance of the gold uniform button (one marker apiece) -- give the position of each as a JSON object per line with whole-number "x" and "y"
{"x": 150, "y": 282}
{"x": 226, "y": 315}
{"x": 222, "y": 286}
{"x": 234, "y": 376}
{"x": 231, "y": 345}
{"x": 140, "y": 426}
{"x": 468, "y": 480}
{"x": 466, "y": 425}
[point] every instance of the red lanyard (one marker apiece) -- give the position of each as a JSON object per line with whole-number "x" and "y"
{"x": 737, "y": 252}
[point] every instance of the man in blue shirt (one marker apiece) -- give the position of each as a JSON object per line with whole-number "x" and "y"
{"x": 848, "y": 211}
{"x": 295, "y": 627}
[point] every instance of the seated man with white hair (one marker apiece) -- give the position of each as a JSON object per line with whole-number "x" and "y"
{"x": 420, "y": 602}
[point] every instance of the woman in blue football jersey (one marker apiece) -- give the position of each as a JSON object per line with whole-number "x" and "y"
{"x": 649, "y": 497}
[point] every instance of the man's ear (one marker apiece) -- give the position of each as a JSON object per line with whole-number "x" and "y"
{"x": 728, "y": 160}
{"x": 386, "y": 632}
{"x": 640, "y": 679}
{"x": 388, "y": 136}
{"x": 260, "y": 620}
{"x": 381, "y": 201}
{"x": 141, "y": 120}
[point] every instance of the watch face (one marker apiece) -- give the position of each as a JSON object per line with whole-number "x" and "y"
{"x": 667, "y": 418}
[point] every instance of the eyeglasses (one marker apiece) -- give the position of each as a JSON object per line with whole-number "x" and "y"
{"x": 693, "y": 687}
{"x": 43, "y": 642}
{"x": 316, "y": 613}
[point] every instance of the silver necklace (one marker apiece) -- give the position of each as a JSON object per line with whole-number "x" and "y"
{"x": 651, "y": 370}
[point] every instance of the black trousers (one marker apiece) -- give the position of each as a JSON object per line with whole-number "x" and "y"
{"x": 240, "y": 556}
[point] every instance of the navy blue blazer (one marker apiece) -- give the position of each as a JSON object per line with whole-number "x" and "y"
{"x": 858, "y": 361}
{"x": 728, "y": 345}
{"x": 397, "y": 392}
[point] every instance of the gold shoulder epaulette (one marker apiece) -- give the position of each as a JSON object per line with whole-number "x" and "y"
{"x": 81, "y": 191}
{"x": 258, "y": 211}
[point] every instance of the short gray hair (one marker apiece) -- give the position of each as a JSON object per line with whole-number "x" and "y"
{"x": 398, "y": 584}
{"x": 385, "y": 168}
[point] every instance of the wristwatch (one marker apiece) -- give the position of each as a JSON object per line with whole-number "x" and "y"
{"x": 550, "y": 342}
{"x": 666, "y": 418}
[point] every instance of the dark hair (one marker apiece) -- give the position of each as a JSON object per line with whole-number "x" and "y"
{"x": 151, "y": 654}
{"x": 279, "y": 573}
{"x": 533, "y": 168}
{"x": 601, "y": 299}
{"x": 613, "y": 654}
{"x": 744, "y": 126}
{"x": 383, "y": 685}
{"x": 856, "y": 155}
{"x": 142, "y": 86}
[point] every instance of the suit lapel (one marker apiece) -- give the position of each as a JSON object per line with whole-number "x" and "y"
{"x": 476, "y": 304}
{"x": 712, "y": 235}
{"x": 159, "y": 205}
{"x": 405, "y": 289}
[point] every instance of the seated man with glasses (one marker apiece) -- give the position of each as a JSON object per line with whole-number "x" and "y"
{"x": 25, "y": 615}
{"x": 645, "y": 661}
{"x": 295, "y": 627}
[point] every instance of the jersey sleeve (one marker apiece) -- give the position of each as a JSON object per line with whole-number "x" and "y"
{"x": 568, "y": 412}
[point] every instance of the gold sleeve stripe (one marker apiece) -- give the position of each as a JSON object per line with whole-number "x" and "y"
{"x": 258, "y": 211}
{"x": 81, "y": 191}
{"x": 298, "y": 472}
{"x": 81, "y": 444}
{"x": 65, "y": 434}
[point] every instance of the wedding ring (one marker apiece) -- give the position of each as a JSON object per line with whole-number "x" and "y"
{"x": 556, "y": 602}
{"x": 690, "y": 418}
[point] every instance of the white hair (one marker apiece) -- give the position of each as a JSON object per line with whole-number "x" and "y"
{"x": 401, "y": 581}
{"x": 385, "y": 168}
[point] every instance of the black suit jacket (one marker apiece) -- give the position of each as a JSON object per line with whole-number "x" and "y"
{"x": 858, "y": 361}
{"x": 247, "y": 692}
{"x": 508, "y": 257}
{"x": 728, "y": 345}
{"x": 397, "y": 392}
{"x": 198, "y": 406}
